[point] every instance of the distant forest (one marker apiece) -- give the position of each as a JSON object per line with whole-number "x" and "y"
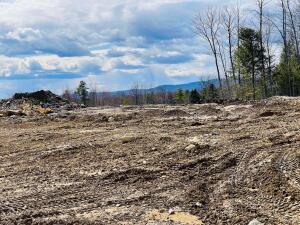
{"x": 206, "y": 92}
{"x": 244, "y": 44}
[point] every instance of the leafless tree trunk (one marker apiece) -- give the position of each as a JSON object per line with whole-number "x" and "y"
{"x": 293, "y": 28}
{"x": 253, "y": 72}
{"x": 161, "y": 96}
{"x": 207, "y": 25}
{"x": 238, "y": 15}
{"x": 68, "y": 95}
{"x": 228, "y": 18}
{"x": 135, "y": 91}
{"x": 268, "y": 34}
{"x": 224, "y": 64}
{"x": 285, "y": 43}
{"x": 283, "y": 31}
{"x": 261, "y": 4}
{"x": 93, "y": 95}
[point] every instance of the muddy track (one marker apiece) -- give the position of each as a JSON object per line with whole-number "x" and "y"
{"x": 197, "y": 164}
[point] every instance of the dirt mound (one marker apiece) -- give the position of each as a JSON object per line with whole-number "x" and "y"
{"x": 40, "y": 96}
{"x": 40, "y": 102}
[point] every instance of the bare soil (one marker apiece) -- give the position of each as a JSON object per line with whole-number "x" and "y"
{"x": 198, "y": 164}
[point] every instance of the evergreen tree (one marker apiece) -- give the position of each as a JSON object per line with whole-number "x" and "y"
{"x": 287, "y": 73}
{"x": 195, "y": 97}
{"x": 210, "y": 93}
{"x": 248, "y": 57}
{"x": 179, "y": 96}
{"x": 82, "y": 92}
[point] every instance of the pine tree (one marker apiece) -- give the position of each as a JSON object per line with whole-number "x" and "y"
{"x": 179, "y": 97}
{"x": 248, "y": 57}
{"x": 82, "y": 92}
{"x": 195, "y": 97}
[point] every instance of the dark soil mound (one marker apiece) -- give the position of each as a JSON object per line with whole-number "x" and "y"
{"x": 40, "y": 97}
{"x": 41, "y": 101}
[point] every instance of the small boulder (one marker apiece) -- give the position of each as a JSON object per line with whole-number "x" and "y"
{"x": 191, "y": 147}
{"x": 45, "y": 111}
{"x": 67, "y": 107}
{"x": 255, "y": 222}
{"x": 195, "y": 140}
{"x": 111, "y": 119}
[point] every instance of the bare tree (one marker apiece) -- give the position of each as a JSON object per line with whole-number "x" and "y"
{"x": 293, "y": 28}
{"x": 68, "y": 95}
{"x": 285, "y": 43}
{"x": 229, "y": 23}
{"x": 207, "y": 26}
{"x": 93, "y": 95}
{"x": 161, "y": 96}
{"x": 238, "y": 28}
{"x": 136, "y": 93}
{"x": 261, "y": 4}
{"x": 268, "y": 44}
{"x": 224, "y": 64}
{"x": 282, "y": 28}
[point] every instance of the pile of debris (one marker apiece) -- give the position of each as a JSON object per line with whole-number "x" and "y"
{"x": 40, "y": 102}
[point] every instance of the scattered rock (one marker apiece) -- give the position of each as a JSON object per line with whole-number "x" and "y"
{"x": 111, "y": 119}
{"x": 171, "y": 211}
{"x": 255, "y": 222}
{"x": 191, "y": 147}
{"x": 42, "y": 110}
{"x": 195, "y": 140}
{"x": 198, "y": 204}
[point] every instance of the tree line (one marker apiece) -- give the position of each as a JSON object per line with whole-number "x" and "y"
{"x": 138, "y": 96}
{"x": 243, "y": 45}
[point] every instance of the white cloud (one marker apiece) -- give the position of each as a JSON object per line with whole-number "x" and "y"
{"x": 24, "y": 34}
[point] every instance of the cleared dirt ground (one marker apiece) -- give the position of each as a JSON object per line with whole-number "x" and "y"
{"x": 209, "y": 164}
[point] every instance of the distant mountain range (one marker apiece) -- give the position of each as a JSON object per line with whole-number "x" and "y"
{"x": 172, "y": 88}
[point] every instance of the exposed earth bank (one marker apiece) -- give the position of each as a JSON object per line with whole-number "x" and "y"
{"x": 198, "y": 164}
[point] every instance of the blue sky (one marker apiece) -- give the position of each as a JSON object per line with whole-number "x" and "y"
{"x": 53, "y": 44}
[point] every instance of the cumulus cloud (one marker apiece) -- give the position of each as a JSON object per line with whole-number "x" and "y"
{"x": 28, "y": 41}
